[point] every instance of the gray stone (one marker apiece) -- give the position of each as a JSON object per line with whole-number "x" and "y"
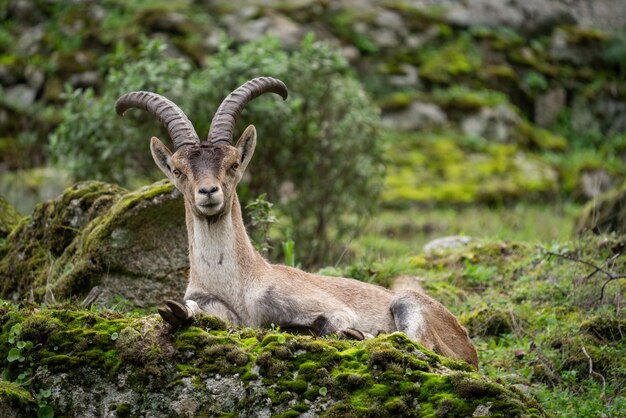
{"x": 410, "y": 78}
{"x": 285, "y": 29}
{"x": 20, "y": 96}
{"x": 494, "y": 123}
{"x": 444, "y": 243}
{"x": 419, "y": 115}
{"x": 548, "y": 106}
{"x": 528, "y": 16}
{"x": 86, "y": 79}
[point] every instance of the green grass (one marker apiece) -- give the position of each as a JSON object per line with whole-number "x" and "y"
{"x": 400, "y": 232}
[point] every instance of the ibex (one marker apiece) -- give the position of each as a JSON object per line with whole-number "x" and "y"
{"x": 229, "y": 279}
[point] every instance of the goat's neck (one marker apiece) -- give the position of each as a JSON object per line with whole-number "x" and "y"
{"x": 221, "y": 255}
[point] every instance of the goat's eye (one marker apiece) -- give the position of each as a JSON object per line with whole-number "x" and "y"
{"x": 176, "y": 172}
{"x": 235, "y": 166}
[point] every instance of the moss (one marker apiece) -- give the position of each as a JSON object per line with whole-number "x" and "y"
{"x": 455, "y": 59}
{"x": 33, "y": 246}
{"x": 487, "y": 321}
{"x": 353, "y": 377}
{"x": 14, "y": 397}
{"x": 605, "y": 328}
{"x": 9, "y": 218}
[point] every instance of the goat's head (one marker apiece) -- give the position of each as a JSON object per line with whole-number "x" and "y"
{"x": 206, "y": 173}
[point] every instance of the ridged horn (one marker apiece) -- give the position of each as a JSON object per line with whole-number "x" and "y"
{"x": 223, "y": 122}
{"x": 178, "y": 125}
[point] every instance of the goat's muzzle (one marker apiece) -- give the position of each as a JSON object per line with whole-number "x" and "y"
{"x": 209, "y": 200}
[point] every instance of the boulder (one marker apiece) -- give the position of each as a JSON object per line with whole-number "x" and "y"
{"x": 417, "y": 116}
{"x": 548, "y": 106}
{"x": 527, "y": 16}
{"x": 495, "y": 123}
{"x": 107, "y": 364}
{"x": 131, "y": 244}
{"x": 604, "y": 214}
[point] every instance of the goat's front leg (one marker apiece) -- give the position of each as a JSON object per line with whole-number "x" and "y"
{"x": 181, "y": 314}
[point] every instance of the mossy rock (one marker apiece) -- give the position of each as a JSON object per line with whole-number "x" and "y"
{"x": 9, "y": 218}
{"x": 131, "y": 244}
{"x": 605, "y": 214}
{"x": 104, "y": 363}
{"x": 487, "y": 321}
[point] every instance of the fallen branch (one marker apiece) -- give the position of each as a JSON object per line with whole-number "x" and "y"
{"x": 591, "y": 371}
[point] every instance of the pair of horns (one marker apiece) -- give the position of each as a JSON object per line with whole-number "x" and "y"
{"x": 178, "y": 125}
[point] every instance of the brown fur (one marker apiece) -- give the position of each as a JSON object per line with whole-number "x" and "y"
{"x": 229, "y": 278}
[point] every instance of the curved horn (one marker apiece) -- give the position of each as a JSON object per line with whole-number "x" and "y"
{"x": 223, "y": 122}
{"x": 178, "y": 125}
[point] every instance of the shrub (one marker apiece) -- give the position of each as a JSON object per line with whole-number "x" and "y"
{"x": 92, "y": 142}
{"x": 318, "y": 155}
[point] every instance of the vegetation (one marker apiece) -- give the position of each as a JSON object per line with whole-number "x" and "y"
{"x": 514, "y": 142}
{"x": 328, "y": 114}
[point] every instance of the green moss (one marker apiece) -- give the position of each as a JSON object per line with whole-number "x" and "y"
{"x": 15, "y": 396}
{"x": 9, "y": 218}
{"x": 487, "y": 321}
{"x": 355, "y": 376}
{"x": 455, "y": 59}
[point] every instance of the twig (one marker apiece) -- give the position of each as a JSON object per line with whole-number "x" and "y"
{"x": 611, "y": 276}
{"x": 91, "y": 297}
{"x": 591, "y": 371}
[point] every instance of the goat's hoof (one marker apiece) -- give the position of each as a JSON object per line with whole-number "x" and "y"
{"x": 351, "y": 334}
{"x": 176, "y": 314}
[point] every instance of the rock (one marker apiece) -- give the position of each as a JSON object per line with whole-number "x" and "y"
{"x": 604, "y": 113}
{"x": 604, "y": 214}
{"x": 9, "y": 218}
{"x": 444, "y": 243}
{"x": 85, "y": 79}
{"x": 20, "y": 96}
{"x": 581, "y": 53}
{"x": 409, "y": 78}
{"x": 131, "y": 244}
{"x": 549, "y": 105}
{"x": 419, "y": 115}
{"x": 494, "y": 123}
{"x": 29, "y": 42}
{"x": 107, "y": 364}
{"x": 527, "y": 16}
{"x": 289, "y": 32}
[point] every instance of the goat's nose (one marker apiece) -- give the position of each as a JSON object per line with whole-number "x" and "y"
{"x": 208, "y": 190}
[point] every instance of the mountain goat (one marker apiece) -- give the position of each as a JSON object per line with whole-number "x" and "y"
{"x": 229, "y": 279}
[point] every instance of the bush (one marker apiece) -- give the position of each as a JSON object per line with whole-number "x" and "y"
{"x": 318, "y": 154}
{"x": 93, "y": 142}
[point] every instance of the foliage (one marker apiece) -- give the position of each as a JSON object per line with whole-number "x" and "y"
{"x": 261, "y": 219}
{"x": 318, "y": 153}
{"x": 302, "y": 157}
{"x": 93, "y": 142}
{"x": 533, "y": 315}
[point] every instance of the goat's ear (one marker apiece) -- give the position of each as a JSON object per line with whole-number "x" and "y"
{"x": 161, "y": 155}
{"x": 245, "y": 145}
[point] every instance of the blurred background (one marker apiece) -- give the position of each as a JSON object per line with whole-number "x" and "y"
{"x": 483, "y": 118}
